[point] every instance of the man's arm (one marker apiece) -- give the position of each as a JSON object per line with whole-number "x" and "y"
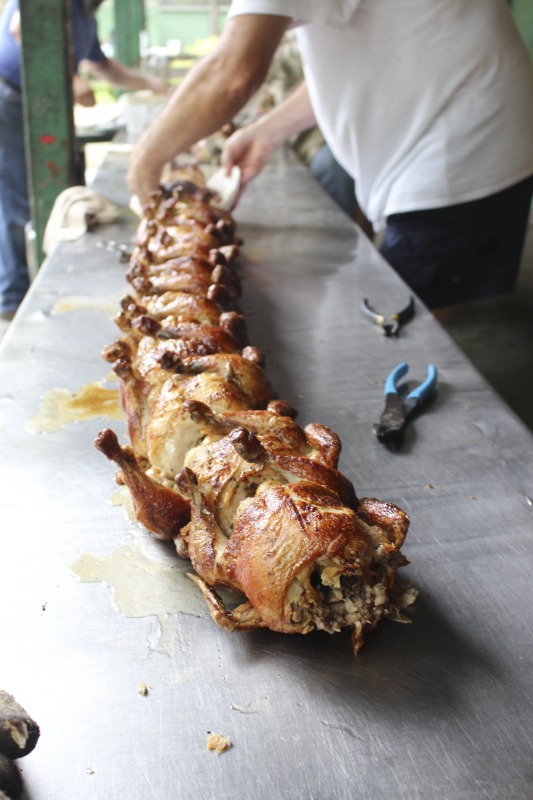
{"x": 113, "y": 72}
{"x": 250, "y": 147}
{"x": 214, "y": 90}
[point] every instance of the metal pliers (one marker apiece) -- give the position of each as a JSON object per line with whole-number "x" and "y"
{"x": 391, "y": 326}
{"x": 398, "y": 409}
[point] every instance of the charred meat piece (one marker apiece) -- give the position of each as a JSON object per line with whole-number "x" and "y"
{"x": 18, "y": 731}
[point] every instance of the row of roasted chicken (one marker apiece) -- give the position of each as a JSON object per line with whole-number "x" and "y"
{"x": 217, "y": 462}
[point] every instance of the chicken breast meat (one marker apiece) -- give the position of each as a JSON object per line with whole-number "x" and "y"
{"x": 218, "y": 464}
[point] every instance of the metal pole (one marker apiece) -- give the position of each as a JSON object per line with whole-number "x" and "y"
{"x": 51, "y": 150}
{"x": 129, "y": 22}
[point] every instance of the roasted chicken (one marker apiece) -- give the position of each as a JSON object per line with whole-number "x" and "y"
{"x": 218, "y": 464}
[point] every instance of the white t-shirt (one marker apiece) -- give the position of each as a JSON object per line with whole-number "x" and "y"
{"x": 426, "y": 103}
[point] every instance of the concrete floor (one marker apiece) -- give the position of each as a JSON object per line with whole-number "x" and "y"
{"x": 497, "y": 336}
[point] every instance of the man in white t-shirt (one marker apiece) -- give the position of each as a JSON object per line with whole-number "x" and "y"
{"x": 429, "y": 106}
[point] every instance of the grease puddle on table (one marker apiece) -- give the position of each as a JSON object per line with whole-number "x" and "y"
{"x": 146, "y": 578}
{"x": 60, "y": 407}
{"x": 109, "y": 304}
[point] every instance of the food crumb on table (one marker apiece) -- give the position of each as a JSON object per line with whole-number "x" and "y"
{"x": 218, "y": 743}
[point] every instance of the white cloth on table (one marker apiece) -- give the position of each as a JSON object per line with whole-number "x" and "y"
{"x": 76, "y": 210}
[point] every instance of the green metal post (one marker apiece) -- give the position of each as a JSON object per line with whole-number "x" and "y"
{"x": 51, "y": 150}
{"x": 523, "y": 14}
{"x": 129, "y": 22}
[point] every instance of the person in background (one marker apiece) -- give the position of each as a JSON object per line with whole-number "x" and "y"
{"x": 428, "y": 106}
{"x": 14, "y": 198}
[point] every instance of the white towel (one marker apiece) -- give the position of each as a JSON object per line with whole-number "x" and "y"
{"x": 75, "y": 211}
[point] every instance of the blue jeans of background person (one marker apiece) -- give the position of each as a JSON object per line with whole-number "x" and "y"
{"x": 464, "y": 252}
{"x": 14, "y": 202}
{"x": 333, "y": 178}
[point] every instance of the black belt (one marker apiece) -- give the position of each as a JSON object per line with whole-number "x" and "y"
{"x": 10, "y": 84}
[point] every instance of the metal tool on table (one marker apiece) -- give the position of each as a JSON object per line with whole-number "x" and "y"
{"x": 124, "y": 250}
{"x": 399, "y": 408}
{"x": 390, "y": 325}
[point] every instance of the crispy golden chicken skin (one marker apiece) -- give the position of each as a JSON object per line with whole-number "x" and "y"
{"x": 218, "y": 464}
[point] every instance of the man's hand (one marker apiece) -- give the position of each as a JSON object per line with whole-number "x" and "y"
{"x": 142, "y": 180}
{"x": 251, "y": 147}
{"x": 248, "y": 149}
{"x": 145, "y": 169}
{"x": 82, "y": 92}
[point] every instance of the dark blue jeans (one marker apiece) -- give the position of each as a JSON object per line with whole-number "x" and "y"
{"x": 14, "y": 202}
{"x": 464, "y": 252}
{"x": 332, "y": 177}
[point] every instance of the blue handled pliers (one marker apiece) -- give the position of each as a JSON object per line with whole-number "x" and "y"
{"x": 398, "y": 409}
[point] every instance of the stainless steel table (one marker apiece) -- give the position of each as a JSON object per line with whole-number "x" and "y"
{"x": 92, "y": 607}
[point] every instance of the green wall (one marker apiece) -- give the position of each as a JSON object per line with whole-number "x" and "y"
{"x": 523, "y": 14}
{"x": 188, "y": 24}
